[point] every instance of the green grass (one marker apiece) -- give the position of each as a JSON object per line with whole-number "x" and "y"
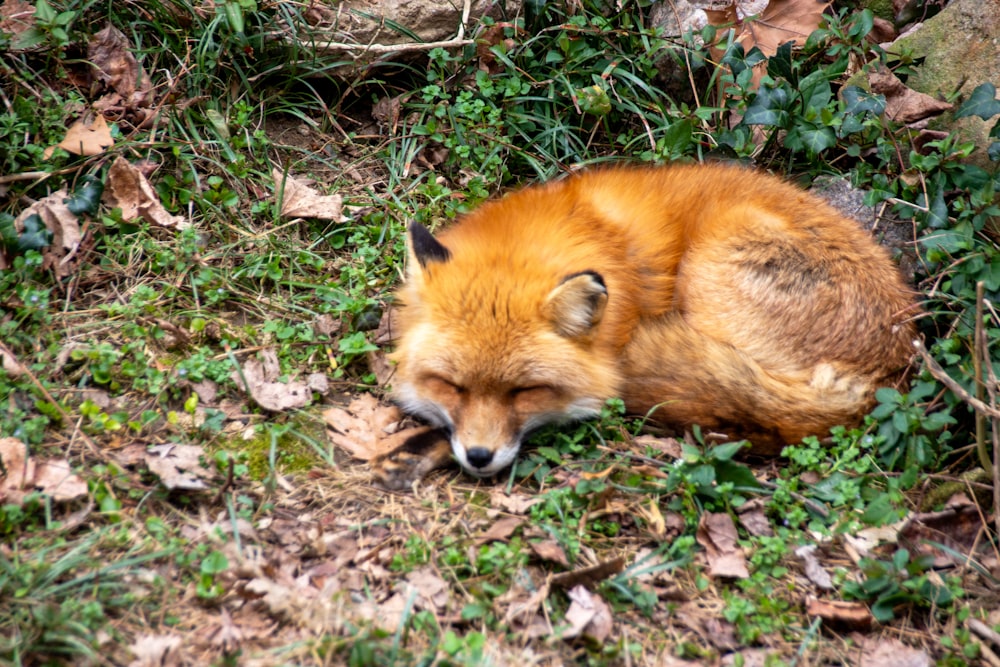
{"x": 114, "y": 350}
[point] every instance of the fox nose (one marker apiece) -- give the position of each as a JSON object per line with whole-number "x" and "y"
{"x": 479, "y": 457}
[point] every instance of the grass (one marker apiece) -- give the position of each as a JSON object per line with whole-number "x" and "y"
{"x": 291, "y": 556}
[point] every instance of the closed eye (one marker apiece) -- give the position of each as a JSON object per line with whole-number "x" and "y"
{"x": 441, "y": 385}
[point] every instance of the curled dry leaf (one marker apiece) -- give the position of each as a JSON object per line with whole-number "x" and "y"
{"x": 21, "y": 475}
{"x": 589, "y": 575}
{"x": 902, "y": 104}
{"x": 178, "y": 466}
{"x": 127, "y": 188}
{"x": 300, "y": 200}
{"x": 841, "y": 615}
{"x": 717, "y": 533}
{"x": 812, "y": 568}
{"x": 751, "y": 516}
{"x": 109, "y": 51}
{"x": 514, "y": 503}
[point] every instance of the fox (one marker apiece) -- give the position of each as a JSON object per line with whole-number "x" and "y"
{"x": 699, "y": 294}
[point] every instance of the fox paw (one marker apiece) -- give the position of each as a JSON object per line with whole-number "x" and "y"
{"x": 414, "y": 459}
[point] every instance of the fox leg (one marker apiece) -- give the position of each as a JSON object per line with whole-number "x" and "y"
{"x": 426, "y": 450}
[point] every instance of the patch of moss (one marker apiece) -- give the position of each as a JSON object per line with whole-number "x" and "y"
{"x": 293, "y": 454}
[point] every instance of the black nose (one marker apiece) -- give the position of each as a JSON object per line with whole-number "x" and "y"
{"x": 479, "y": 457}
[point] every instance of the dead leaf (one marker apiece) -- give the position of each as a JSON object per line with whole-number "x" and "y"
{"x": 127, "y": 188}
{"x": 669, "y": 446}
{"x": 513, "y": 503}
{"x": 751, "y": 516}
{"x": 157, "y": 651}
{"x": 109, "y": 51}
{"x": 359, "y": 428}
{"x": 888, "y": 652}
{"x": 87, "y": 136}
{"x": 717, "y": 534}
{"x": 379, "y": 364}
{"x": 501, "y": 530}
{"x": 178, "y": 466}
{"x": 588, "y": 615}
{"x": 9, "y": 364}
{"x": 16, "y": 18}
{"x": 225, "y": 634}
{"x": 550, "y": 550}
{"x": 841, "y": 615}
{"x": 21, "y": 475}
{"x": 958, "y": 527}
{"x": 265, "y": 389}
{"x": 300, "y": 200}
{"x": 812, "y": 568}
{"x": 433, "y": 591}
{"x": 902, "y": 104}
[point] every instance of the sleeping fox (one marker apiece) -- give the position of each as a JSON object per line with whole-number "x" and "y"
{"x": 699, "y": 294}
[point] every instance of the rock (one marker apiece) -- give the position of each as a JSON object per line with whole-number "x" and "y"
{"x": 960, "y": 48}
{"x": 369, "y": 22}
{"x": 894, "y": 234}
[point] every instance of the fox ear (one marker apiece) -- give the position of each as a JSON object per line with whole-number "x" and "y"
{"x": 425, "y": 248}
{"x": 577, "y": 304}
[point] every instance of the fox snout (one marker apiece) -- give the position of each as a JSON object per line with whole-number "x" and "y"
{"x": 483, "y": 457}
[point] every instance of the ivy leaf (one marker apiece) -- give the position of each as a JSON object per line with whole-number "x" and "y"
{"x": 779, "y": 66}
{"x": 983, "y": 103}
{"x": 814, "y": 138}
{"x": 87, "y": 197}
{"x": 35, "y": 235}
{"x": 767, "y": 108}
{"x": 859, "y": 101}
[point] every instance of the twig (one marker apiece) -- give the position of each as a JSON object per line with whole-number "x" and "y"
{"x": 363, "y": 49}
{"x": 983, "y": 345}
{"x": 946, "y": 380}
{"x": 978, "y": 349}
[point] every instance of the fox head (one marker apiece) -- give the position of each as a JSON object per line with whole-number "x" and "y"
{"x": 493, "y": 345}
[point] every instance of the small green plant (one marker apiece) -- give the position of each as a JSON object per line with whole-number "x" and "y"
{"x": 899, "y": 583}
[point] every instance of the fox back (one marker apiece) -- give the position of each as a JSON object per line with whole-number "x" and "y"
{"x": 708, "y": 295}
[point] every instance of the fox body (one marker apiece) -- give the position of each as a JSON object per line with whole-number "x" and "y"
{"x": 708, "y": 295}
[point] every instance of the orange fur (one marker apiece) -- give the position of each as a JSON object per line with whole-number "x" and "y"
{"x": 733, "y": 300}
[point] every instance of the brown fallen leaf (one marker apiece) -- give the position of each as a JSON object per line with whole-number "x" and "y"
{"x": 178, "y": 466}
{"x": 812, "y": 568}
{"x": 717, "y": 534}
{"x": 265, "y": 389}
{"x": 361, "y": 427}
{"x": 512, "y": 503}
{"x": 841, "y": 615}
{"x": 299, "y": 200}
{"x": 21, "y": 475}
{"x": 588, "y": 615}
{"x": 87, "y": 136}
{"x": 781, "y": 21}
{"x": 16, "y": 18}
{"x": 889, "y": 652}
{"x": 958, "y": 527}
{"x": 550, "y": 550}
{"x": 752, "y": 518}
{"x": 501, "y": 530}
{"x": 127, "y": 188}
{"x": 157, "y": 651}
{"x": 109, "y": 52}
{"x": 903, "y": 104}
